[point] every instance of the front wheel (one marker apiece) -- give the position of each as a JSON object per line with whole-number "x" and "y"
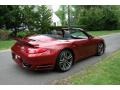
{"x": 100, "y": 49}
{"x": 64, "y": 60}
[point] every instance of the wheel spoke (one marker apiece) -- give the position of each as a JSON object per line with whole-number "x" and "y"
{"x": 61, "y": 61}
{"x": 64, "y": 66}
{"x": 69, "y": 57}
{"x": 68, "y": 63}
{"x": 65, "y": 54}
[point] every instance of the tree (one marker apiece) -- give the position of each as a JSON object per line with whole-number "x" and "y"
{"x": 95, "y": 17}
{"x": 28, "y": 16}
{"x": 33, "y": 18}
{"x": 44, "y": 19}
{"x": 3, "y": 10}
{"x": 61, "y": 13}
{"x": 37, "y": 18}
{"x": 11, "y": 17}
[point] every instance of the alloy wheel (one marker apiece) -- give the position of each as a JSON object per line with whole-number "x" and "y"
{"x": 100, "y": 49}
{"x": 65, "y": 60}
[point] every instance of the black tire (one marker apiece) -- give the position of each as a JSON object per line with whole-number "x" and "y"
{"x": 100, "y": 49}
{"x": 64, "y": 61}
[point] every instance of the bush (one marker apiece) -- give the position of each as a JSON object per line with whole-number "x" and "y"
{"x": 4, "y": 34}
{"x": 24, "y": 34}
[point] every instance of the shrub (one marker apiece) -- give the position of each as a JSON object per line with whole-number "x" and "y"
{"x": 4, "y": 34}
{"x": 24, "y": 34}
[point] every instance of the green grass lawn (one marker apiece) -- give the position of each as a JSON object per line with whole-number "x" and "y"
{"x": 105, "y": 72}
{"x": 6, "y": 44}
{"x": 100, "y": 33}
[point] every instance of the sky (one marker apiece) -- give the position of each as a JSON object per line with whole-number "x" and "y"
{"x": 55, "y": 7}
{"x": 55, "y": 17}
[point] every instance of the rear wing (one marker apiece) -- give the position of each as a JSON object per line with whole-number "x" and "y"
{"x": 27, "y": 42}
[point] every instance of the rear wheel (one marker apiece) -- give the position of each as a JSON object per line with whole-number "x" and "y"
{"x": 65, "y": 60}
{"x": 100, "y": 49}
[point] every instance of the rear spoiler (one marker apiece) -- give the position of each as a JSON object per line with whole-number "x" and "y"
{"x": 26, "y": 42}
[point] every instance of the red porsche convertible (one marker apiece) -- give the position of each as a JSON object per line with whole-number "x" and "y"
{"x": 58, "y": 49}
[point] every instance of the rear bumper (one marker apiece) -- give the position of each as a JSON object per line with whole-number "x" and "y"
{"x": 34, "y": 62}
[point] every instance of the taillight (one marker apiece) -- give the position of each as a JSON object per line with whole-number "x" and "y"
{"x": 35, "y": 50}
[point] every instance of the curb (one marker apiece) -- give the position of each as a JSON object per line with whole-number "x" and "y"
{"x": 1, "y": 51}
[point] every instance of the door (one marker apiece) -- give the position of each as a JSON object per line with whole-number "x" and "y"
{"x": 84, "y": 46}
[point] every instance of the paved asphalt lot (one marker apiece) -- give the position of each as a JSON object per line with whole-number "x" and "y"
{"x": 11, "y": 74}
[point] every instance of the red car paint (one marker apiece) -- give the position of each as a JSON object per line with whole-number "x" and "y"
{"x": 43, "y": 52}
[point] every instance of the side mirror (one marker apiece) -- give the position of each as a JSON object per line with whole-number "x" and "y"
{"x": 90, "y": 37}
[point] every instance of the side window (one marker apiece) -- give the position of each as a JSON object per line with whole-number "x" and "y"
{"x": 79, "y": 35}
